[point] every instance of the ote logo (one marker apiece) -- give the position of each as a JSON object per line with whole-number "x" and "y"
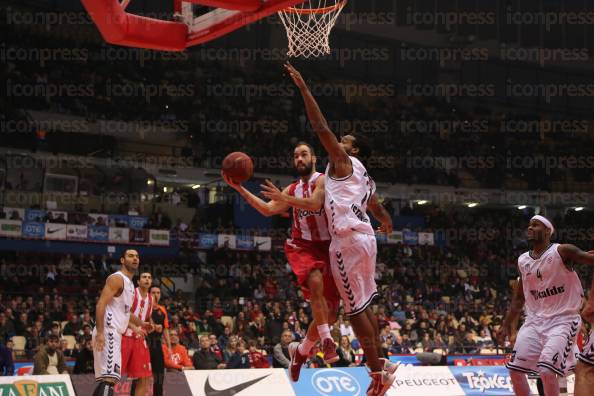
{"x": 335, "y": 382}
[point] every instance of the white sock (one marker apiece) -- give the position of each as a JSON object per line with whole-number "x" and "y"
{"x": 324, "y": 332}
{"x": 305, "y": 346}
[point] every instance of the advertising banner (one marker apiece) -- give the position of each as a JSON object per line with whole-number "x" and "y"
{"x": 13, "y": 213}
{"x": 423, "y": 381}
{"x": 207, "y": 241}
{"x": 76, "y": 232}
{"x": 11, "y": 228}
{"x": 55, "y": 231}
{"x": 426, "y": 238}
{"x": 227, "y": 241}
{"x": 138, "y": 236}
{"x": 37, "y": 385}
{"x": 98, "y": 234}
{"x": 174, "y": 384}
{"x": 119, "y": 235}
{"x": 137, "y": 222}
{"x": 33, "y": 230}
{"x": 245, "y": 242}
{"x": 395, "y": 237}
{"x": 334, "y": 381}
{"x": 120, "y": 221}
{"x": 159, "y": 237}
{"x": 410, "y": 237}
{"x": 263, "y": 244}
{"x": 99, "y": 219}
{"x": 230, "y": 382}
{"x": 35, "y": 215}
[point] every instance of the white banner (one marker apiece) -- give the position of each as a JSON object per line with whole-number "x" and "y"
{"x": 11, "y": 228}
{"x": 121, "y": 235}
{"x": 159, "y": 237}
{"x": 76, "y": 232}
{"x": 14, "y": 213}
{"x": 426, "y": 238}
{"x": 55, "y": 231}
{"x": 36, "y": 385}
{"x": 423, "y": 381}
{"x": 227, "y": 241}
{"x": 57, "y": 215}
{"x": 263, "y": 243}
{"x": 230, "y": 382}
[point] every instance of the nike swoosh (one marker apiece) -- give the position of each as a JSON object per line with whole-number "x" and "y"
{"x": 52, "y": 230}
{"x": 209, "y": 391}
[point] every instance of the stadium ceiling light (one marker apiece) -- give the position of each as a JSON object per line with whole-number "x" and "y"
{"x": 421, "y": 202}
{"x": 579, "y": 209}
{"x": 522, "y": 207}
{"x": 149, "y": 182}
{"x": 164, "y": 189}
{"x": 195, "y": 186}
{"x": 472, "y": 204}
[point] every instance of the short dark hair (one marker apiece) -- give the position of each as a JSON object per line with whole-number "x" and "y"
{"x": 153, "y": 287}
{"x": 126, "y": 251}
{"x": 302, "y": 143}
{"x": 52, "y": 337}
{"x": 362, "y": 143}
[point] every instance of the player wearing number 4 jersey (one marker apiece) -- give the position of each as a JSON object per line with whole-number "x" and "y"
{"x": 307, "y": 251}
{"x": 350, "y": 192}
{"x": 584, "y": 370}
{"x": 551, "y": 294}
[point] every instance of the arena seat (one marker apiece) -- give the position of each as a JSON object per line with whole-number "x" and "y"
{"x": 70, "y": 341}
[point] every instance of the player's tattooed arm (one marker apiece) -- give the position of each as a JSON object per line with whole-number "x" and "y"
{"x": 339, "y": 159}
{"x": 113, "y": 286}
{"x": 265, "y": 208}
{"x": 571, "y": 253}
{"x": 381, "y": 214}
{"x": 315, "y": 202}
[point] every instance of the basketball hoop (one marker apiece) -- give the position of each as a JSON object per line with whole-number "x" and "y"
{"x": 309, "y": 25}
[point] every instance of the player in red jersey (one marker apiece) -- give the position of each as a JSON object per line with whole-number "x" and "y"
{"x": 136, "y": 359}
{"x": 307, "y": 252}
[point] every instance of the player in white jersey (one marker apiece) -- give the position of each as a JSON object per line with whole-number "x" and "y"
{"x": 350, "y": 192}
{"x": 112, "y": 318}
{"x": 551, "y": 294}
{"x": 306, "y": 251}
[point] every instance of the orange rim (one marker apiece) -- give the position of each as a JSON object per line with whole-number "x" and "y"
{"x": 324, "y": 10}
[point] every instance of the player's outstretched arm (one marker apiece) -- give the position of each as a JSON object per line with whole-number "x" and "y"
{"x": 339, "y": 159}
{"x": 572, "y": 253}
{"x": 381, "y": 214}
{"x": 113, "y": 286}
{"x": 315, "y": 202}
{"x": 265, "y": 208}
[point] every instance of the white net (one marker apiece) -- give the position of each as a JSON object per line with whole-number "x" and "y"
{"x": 309, "y": 25}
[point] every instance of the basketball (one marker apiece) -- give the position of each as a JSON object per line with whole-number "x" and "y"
{"x": 238, "y": 166}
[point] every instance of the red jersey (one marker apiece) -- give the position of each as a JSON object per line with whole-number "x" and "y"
{"x": 142, "y": 308}
{"x": 258, "y": 360}
{"x": 308, "y": 225}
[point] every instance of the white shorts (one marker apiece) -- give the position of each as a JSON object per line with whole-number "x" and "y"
{"x": 352, "y": 259}
{"x": 546, "y": 345}
{"x": 587, "y": 354}
{"x": 108, "y": 362}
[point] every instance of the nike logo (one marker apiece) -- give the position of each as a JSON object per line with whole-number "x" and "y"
{"x": 209, "y": 391}
{"x": 52, "y": 230}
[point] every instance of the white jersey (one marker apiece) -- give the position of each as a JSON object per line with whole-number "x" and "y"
{"x": 142, "y": 308}
{"x": 117, "y": 312}
{"x": 550, "y": 289}
{"x": 346, "y": 201}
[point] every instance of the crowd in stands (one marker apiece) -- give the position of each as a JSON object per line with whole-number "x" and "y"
{"x": 247, "y": 305}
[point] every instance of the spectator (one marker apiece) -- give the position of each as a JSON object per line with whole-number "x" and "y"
{"x": 205, "y": 358}
{"x": 49, "y": 359}
{"x": 345, "y": 353}
{"x": 6, "y": 359}
{"x": 177, "y": 358}
{"x": 256, "y": 357}
{"x": 84, "y": 360}
{"x": 72, "y": 327}
{"x": 280, "y": 354}
{"x": 235, "y": 354}
{"x": 469, "y": 346}
{"x": 7, "y": 329}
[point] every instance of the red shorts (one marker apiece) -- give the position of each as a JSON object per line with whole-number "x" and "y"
{"x": 136, "y": 358}
{"x": 305, "y": 257}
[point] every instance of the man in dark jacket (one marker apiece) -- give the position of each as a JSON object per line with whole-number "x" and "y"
{"x": 84, "y": 360}
{"x": 6, "y": 361}
{"x": 49, "y": 359}
{"x": 205, "y": 358}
